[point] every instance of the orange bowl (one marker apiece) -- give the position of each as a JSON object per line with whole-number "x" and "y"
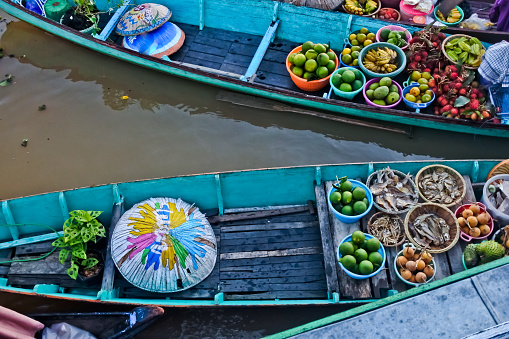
{"x": 309, "y": 86}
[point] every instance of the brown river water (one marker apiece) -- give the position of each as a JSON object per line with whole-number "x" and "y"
{"x": 88, "y": 135}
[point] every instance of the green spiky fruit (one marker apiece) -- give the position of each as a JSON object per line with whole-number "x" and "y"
{"x": 470, "y": 255}
{"x": 490, "y": 250}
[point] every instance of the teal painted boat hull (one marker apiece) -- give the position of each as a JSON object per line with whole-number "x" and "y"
{"x": 256, "y": 17}
{"x": 224, "y": 192}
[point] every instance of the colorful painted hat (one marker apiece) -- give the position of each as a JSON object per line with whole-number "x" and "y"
{"x": 143, "y": 18}
{"x": 164, "y": 245}
{"x": 165, "y": 40}
{"x": 36, "y": 6}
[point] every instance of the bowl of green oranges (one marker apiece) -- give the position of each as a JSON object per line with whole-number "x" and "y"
{"x": 349, "y": 200}
{"x": 361, "y": 255}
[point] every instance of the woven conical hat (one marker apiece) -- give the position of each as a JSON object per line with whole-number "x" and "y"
{"x": 143, "y": 18}
{"x": 165, "y": 40}
{"x": 164, "y": 245}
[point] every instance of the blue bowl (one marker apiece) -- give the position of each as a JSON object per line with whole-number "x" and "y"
{"x": 346, "y": 95}
{"x": 449, "y": 23}
{"x": 412, "y": 105}
{"x": 348, "y": 219}
{"x": 401, "y": 60}
{"x": 381, "y": 250}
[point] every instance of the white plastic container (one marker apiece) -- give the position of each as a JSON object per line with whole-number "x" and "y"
{"x": 502, "y": 218}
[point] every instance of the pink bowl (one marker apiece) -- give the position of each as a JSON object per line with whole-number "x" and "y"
{"x": 465, "y": 236}
{"x": 409, "y": 9}
{"x": 369, "y": 102}
{"x": 394, "y": 28}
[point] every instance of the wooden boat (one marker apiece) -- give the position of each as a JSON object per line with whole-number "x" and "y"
{"x": 276, "y": 239}
{"x": 243, "y": 49}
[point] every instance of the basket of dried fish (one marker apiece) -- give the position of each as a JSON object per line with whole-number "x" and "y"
{"x": 432, "y": 226}
{"x": 393, "y": 191}
{"x": 388, "y": 228}
{"x": 440, "y": 184}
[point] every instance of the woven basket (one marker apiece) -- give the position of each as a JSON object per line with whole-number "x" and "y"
{"x": 459, "y": 180}
{"x": 402, "y": 236}
{"x": 401, "y": 175}
{"x": 450, "y": 37}
{"x": 439, "y": 211}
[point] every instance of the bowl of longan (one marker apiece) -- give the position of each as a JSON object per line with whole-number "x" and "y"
{"x": 474, "y": 221}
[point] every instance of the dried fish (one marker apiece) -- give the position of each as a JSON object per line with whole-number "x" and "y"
{"x": 431, "y": 229}
{"x": 393, "y": 193}
{"x": 387, "y": 229}
{"x": 440, "y": 187}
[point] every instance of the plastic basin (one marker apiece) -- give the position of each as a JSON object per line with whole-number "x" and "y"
{"x": 465, "y": 236}
{"x": 413, "y": 105}
{"x": 502, "y": 218}
{"x": 348, "y": 219}
{"x": 381, "y": 250}
{"x": 449, "y": 23}
{"x": 401, "y": 60}
{"x": 394, "y": 28}
{"x": 310, "y": 86}
{"x": 408, "y": 12}
{"x": 346, "y": 95}
{"x": 396, "y": 269}
{"x": 369, "y": 102}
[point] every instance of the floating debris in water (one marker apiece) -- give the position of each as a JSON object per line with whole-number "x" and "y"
{"x": 24, "y": 143}
{"x": 125, "y": 97}
{"x": 440, "y": 187}
{"x": 41, "y": 107}
{"x": 7, "y": 81}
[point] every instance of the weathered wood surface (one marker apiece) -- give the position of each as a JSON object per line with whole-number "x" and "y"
{"x": 256, "y": 214}
{"x": 109, "y": 265}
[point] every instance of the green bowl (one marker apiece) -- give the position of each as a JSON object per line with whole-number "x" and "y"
{"x": 347, "y": 95}
{"x": 401, "y": 60}
{"x": 449, "y": 23}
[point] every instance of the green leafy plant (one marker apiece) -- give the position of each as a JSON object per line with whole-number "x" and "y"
{"x": 79, "y": 229}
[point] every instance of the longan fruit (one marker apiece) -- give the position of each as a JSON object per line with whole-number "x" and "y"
{"x": 420, "y": 277}
{"x": 483, "y": 218}
{"x": 472, "y": 221}
{"x": 429, "y": 271}
{"x": 475, "y": 232}
{"x": 475, "y": 209}
{"x": 467, "y": 213}
{"x": 411, "y": 265}
{"x": 401, "y": 261}
{"x": 426, "y": 257}
{"x": 420, "y": 265}
{"x": 485, "y": 229}
{"x": 462, "y": 222}
{"x": 408, "y": 252}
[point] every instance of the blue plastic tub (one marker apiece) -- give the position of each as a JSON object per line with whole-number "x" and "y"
{"x": 348, "y": 219}
{"x": 449, "y": 23}
{"x": 412, "y": 105}
{"x": 401, "y": 60}
{"x": 381, "y": 250}
{"x": 346, "y": 95}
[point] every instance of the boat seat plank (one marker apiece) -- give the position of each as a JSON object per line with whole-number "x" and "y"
{"x": 283, "y": 45}
{"x": 271, "y": 246}
{"x": 278, "y": 295}
{"x": 442, "y": 269}
{"x": 297, "y": 213}
{"x": 265, "y": 285}
{"x": 267, "y": 265}
{"x": 396, "y": 283}
{"x": 209, "y": 50}
{"x": 37, "y": 248}
{"x": 224, "y": 35}
{"x": 242, "y": 49}
{"x": 271, "y": 226}
{"x": 109, "y": 265}
{"x": 233, "y": 68}
{"x": 349, "y": 287}
{"x": 272, "y": 253}
{"x": 301, "y": 259}
{"x": 271, "y": 79}
{"x": 269, "y": 240}
{"x": 277, "y": 68}
{"x": 311, "y": 271}
{"x": 270, "y": 233}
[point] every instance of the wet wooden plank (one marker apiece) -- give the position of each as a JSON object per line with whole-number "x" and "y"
{"x": 396, "y": 283}
{"x": 272, "y": 260}
{"x": 201, "y": 62}
{"x": 133, "y": 292}
{"x": 262, "y": 285}
{"x": 271, "y": 226}
{"x": 36, "y": 248}
{"x": 271, "y": 246}
{"x": 212, "y": 43}
{"x": 293, "y": 217}
{"x": 233, "y": 68}
{"x": 313, "y": 271}
{"x": 279, "y": 295}
{"x": 242, "y": 49}
{"x": 257, "y": 234}
{"x": 109, "y": 266}
{"x": 236, "y": 59}
{"x": 442, "y": 269}
{"x": 257, "y": 214}
{"x": 230, "y": 36}
{"x": 264, "y": 240}
{"x": 278, "y": 68}
{"x": 303, "y": 266}
{"x": 275, "y": 253}
{"x": 208, "y": 50}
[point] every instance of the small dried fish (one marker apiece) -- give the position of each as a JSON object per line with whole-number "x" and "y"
{"x": 440, "y": 187}
{"x": 387, "y": 229}
{"x": 431, "y": 229}
{"x": 391, "y": 192}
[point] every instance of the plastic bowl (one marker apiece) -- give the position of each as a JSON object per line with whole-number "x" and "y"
{"x": 449, "y": 38}
{"x": 396, "y": 268}
{"x": 369, "y": 102}
{"x": 465, "y": 236}
{"x": 346, "y": 95}
{"x": 413, "y": 105}
{"x": 381, "y": 250}
{"x": 310, "y": 86}
{"x": 408, "y": 11}
{"x": 401, "y": 60}
{"x": 501, "y": 218}
{"x": 348, "y": 219}
{"x": 449, "y": 23}
{"x": 366, "y": 15}
{"x": 378, "y": 14}
{"x": 395, "y": 28}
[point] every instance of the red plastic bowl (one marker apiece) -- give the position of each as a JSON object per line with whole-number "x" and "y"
{"x": 369, "y": 102}
{"x": 465, "y": 236}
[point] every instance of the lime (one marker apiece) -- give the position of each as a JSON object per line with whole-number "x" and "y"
{"x": 426, "y": 75}
{"x": 356, "y": 269}
{"x": 373, "y": 244}
{"x": 371, "y": 36}
{"x": 346, "y": 185}
{"x": 346, "y": 248}
{"x": 348, "y": 76}
{"x": 355, "y": 62}
{"x": 346, "y": 58}
{"x": 361, "y": 37}
{"x": 360, "y": 255}
{"x": 363, "y": 246}
{"x": 336, "y": 80}
{"x": 299, "y": 60}
{"x": 332, "y": 55}
{"x": 410, "y": 97}
{"x": 346, "y": 197}
{"x": 341, "y": 71}
{"x": 355, "y": 42}
{"x": 345, "y": 87}
{"x": 366, "y": 267}
{"x": 385, "y": 81}
{"x": 322, "y": 72}
{"x": 426, "y": 98}
{"x": 357, "y": 84}
{"x": 347, "y": 210}
{"x": 358, "y": 74}
{"x": 356, "y": 48}
{"x": 415, "y": 75}
{"x": 311, "y": 54}
{"x": 369, "y": 94}
{"x": 307, "y": 75}
{"x": 323, "y": 59}
{"x": 348, "y": 262}
{"x": 331, "y": 66}
{"x": 359, "y": 207}
{"x": 335, "y": 197}
{"x": 394, "y": 89}
{"x": 365, "y": 200}
{"x": 423, "y": 88}
{"x": 298, "y": 71}
{"x": 291, "y": 56}
{"x": 368, "y": 42}
{"x": 375, "y": 258}
{"x": 359, "y": 193}
{"x": 422, "y": 81}
{"x": 364, "y": 30}
{"x": 374, "y": 86}
{"x": 358, "y": 237}
{"x": 319, "y": 48}
{"x": 355, "y": 54}
{"x": 307, "y": 46}
{"x": 311, "y": 65}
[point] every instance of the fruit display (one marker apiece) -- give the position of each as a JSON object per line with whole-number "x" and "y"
{"x": 482, "y": 253}
{"x": 349, "y": 55}
{"x": 388, "y": 14}
{"x": 425, "y": 50}
{"x": 355, "y": 7}
{"x": 397, "y": 38}
{"x": 453, "y": 16}
{"x": 415, "y": 265}
{"x": 360, "y": 256}
{"x": 348, "y": 200}
{"x": 314, "y": 61}
{"x": 383, "y": 93}
{"x": 465, "y": 50}
{"x": 381, "y": 60}
{"x": 347, "y": 80}
{"x": 474, "y": 221}
{"x": 422, "y": 93}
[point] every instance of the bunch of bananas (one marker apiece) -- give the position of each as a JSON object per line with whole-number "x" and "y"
{"x": 466, "y": 50}
{"x": 383, "y": 60}
{"x": 354, "y": 7}
{"x": 454, "y": 16}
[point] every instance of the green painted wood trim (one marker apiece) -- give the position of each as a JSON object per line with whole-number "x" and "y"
{"x": 202, "y": 14}
{"x": 117, "y": 197}
{"x": 261, "y": 50}
{"x": 371, "y": 169}
{"x": 44, "y": 289}
{"x": 276, "y": 10}
{"x": 63, "y": 205}
{"x": 110, "y": 26}
{"x": 318, "y": 175}
{"x": 10, "y": 220}
{"x": 30, "y": 240}
{"x": 220, "y": 202}
{"x": 390, "y": 300}
{"x": 475, "y": 171}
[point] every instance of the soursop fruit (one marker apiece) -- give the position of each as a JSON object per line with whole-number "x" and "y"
{"x": 471, "y": 258}
{"x": 489, "y": 251}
